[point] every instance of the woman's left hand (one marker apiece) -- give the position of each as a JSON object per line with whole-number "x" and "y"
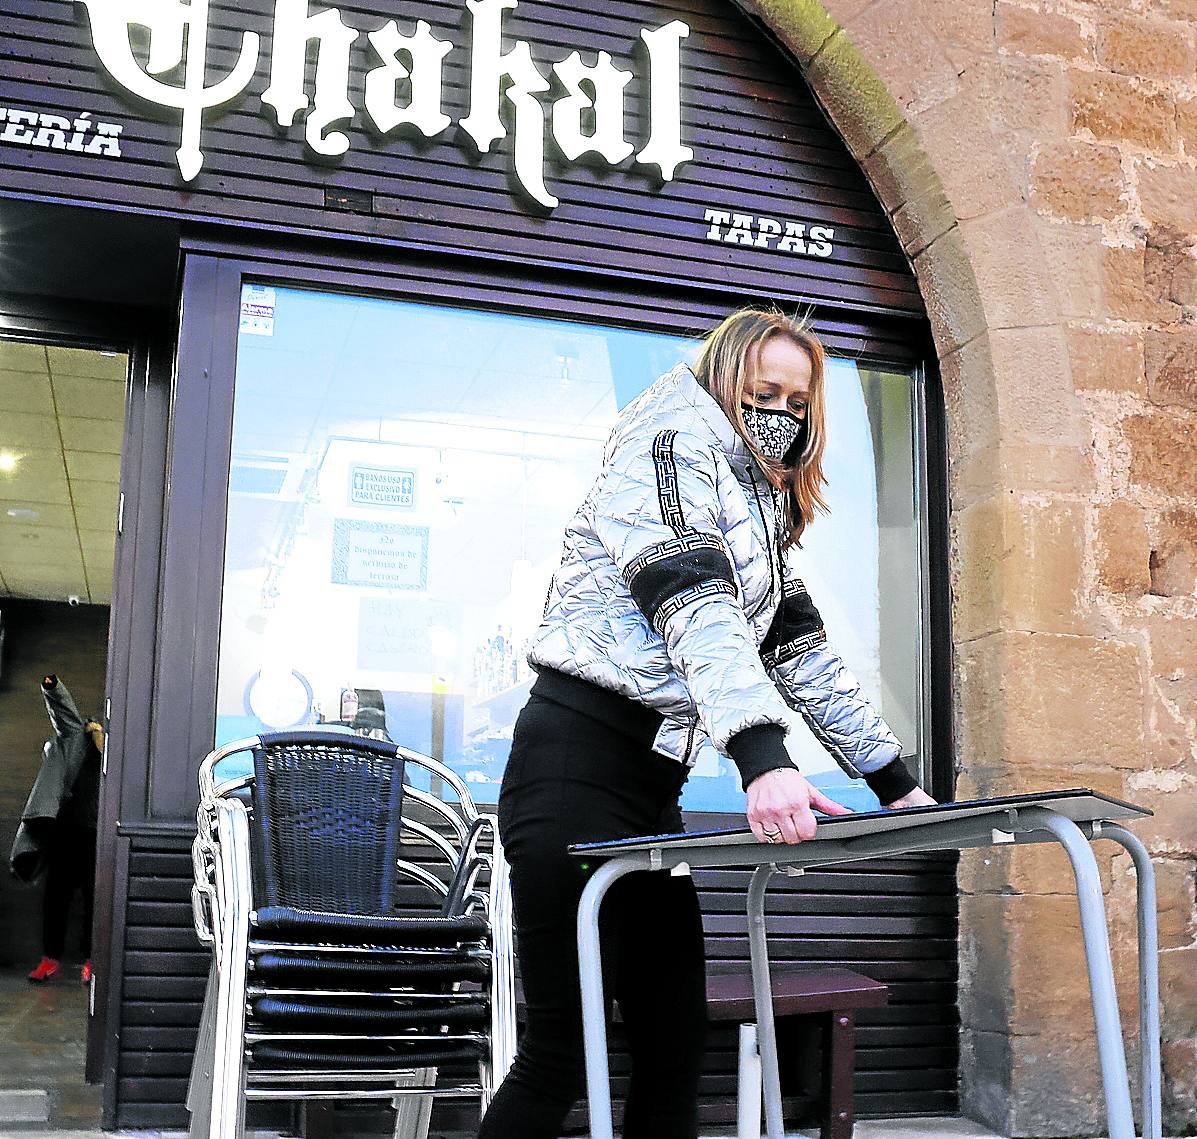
{"x": 916, "y": 798}
{"x": 781, "y": 805}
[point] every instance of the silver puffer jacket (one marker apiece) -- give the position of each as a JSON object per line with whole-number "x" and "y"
{"x": 672, "y": 591}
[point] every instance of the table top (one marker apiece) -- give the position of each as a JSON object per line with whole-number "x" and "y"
{"x": 1079, "y": 804}
{"x": 796, "y": 989}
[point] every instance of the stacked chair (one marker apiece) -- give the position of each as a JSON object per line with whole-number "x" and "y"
{"x": 358, "y": 910}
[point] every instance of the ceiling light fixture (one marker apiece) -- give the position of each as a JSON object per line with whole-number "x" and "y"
{"x": 24, "y": 514}
{"x": 8, "y": 462}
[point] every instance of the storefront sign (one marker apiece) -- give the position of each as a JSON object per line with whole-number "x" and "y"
{"x": 179, "y": 37}
{"x": 769, "y": 233}
{"x": 379, "y": 555}
{"x": 56, "y": 132}
{"x": 382, "y": 486}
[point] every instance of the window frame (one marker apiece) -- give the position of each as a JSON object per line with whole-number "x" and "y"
{"x": 193, "y": 564}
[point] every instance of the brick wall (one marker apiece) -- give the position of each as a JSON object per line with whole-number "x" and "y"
{"x": 1039, "y": 163}
{"x": 42, "y": 636}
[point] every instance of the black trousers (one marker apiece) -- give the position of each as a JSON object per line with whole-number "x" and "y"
{"x": 574, "y": 779}
{"x": 72, "y": 866}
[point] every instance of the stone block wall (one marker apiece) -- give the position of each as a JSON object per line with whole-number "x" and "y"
{"x": 1038, "y": 159}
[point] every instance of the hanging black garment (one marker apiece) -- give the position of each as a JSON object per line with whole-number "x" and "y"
{"x": 67, "y": 786}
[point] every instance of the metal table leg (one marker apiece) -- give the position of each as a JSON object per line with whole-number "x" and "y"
{"x": 1149, "y": 969}
{"x": 590, "y": 971}
{"x": 748, "y": 1085}
{"x": 762, "y": 992}
{"x": 1110, "y": 1047}
{"x": 203, "y": 1063}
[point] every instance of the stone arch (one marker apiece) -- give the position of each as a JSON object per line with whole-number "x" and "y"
{"x": 913, "y": 95}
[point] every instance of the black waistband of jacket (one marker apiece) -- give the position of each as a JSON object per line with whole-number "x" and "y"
{"x": 621, "y": 713}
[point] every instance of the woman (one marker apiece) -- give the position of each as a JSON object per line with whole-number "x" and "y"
{"x": 673, "y": 624}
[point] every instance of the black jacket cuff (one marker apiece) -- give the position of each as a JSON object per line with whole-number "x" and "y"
{"x": 759, "y": 749}
{"x": 891, "y": 782}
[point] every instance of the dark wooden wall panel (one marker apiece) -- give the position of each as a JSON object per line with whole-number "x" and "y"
{"x": 761, "y": 147}
{"x": 893, "y": 920}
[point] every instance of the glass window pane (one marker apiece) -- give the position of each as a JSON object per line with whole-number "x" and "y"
{"x": 401, "y": 478}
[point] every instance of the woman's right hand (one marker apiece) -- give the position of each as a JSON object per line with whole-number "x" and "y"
{"x": 781, "y": 804}
{"x": 915, "y": 798}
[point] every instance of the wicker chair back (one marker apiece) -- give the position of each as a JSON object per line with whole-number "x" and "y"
{"x": 329, "y": 814}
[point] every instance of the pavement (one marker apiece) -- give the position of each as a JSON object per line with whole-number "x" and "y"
{"x": 921, "y": 1128}
{"x": 43, "y": 1048}
{"x": 930, "y": 1128}
{"x": 924, "y": 1128}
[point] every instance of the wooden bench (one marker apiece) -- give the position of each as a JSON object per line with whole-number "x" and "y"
{"x": 835, "y": 994}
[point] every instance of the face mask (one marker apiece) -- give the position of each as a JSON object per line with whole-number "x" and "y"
{"x": 774, "y": 432}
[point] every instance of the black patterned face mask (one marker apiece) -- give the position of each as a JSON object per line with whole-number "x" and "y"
{"x": 773, "y": 431}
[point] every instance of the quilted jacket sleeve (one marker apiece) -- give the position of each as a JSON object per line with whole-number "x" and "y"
{"x": 656, "y": 514}
{"x": 818, "y": 685}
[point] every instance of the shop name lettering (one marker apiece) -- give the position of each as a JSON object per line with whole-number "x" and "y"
{"x": 54, "y": 132}
{"x": 587, "y": 119}
{"x": 769, "y": 233}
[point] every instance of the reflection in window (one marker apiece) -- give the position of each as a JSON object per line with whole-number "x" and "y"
{"x": 401, "y": 477}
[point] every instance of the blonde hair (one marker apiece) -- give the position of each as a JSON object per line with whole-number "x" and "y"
{"x": 725, "y": 365}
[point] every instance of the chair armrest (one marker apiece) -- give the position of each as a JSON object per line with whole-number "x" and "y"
{"x": 462, "y": 886}
{"x": 469, "y": 866}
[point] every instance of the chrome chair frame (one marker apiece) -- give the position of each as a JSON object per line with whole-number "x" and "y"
{"x": 222, "y": 906}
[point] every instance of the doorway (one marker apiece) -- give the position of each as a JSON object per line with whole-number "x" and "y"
{"x": 62, "y": 424}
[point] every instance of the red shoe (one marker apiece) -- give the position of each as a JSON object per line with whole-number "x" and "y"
{"x": 85, "y": 972}
{"x": 47, "y": 967}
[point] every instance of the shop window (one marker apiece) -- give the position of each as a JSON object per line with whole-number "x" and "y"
{"x": 401, "y": 475}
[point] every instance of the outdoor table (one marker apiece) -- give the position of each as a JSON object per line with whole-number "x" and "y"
{"x": 1072, "y": 818}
